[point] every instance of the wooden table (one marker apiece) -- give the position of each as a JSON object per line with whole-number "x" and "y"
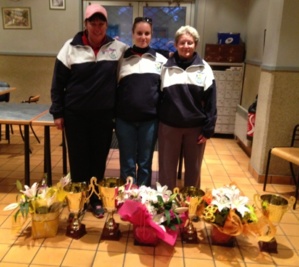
{"x": 47, "y": 121}
{"x": 22, "y": 114}
{"x": 5, "y": 90}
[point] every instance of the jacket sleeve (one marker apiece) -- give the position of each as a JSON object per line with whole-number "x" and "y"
{"x": 59, "y": 83}
{"x": 209, "y": 103}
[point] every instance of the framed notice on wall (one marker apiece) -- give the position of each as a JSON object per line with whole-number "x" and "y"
{"x": 16, "y": 18}
{"x": 57, "y": 4}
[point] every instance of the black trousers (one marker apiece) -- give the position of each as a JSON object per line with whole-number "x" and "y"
{"x": 88, "y": 136}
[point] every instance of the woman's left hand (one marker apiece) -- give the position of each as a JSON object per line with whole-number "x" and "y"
{"x": 201, "y": 139}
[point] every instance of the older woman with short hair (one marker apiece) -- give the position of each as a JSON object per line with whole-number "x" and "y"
{"x": 187, "y": 111}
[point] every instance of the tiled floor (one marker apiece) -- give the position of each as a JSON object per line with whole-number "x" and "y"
{"x": 224, "y": 162}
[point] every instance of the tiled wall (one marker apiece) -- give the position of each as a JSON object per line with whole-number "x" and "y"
{"x": 277, "y": 114}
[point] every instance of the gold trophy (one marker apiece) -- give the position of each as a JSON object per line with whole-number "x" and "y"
{"x": 106, "y": 192}
{"x": 194, "y": 196}
{"x": 273, "y": 207}
{"x": 76, "y": 198}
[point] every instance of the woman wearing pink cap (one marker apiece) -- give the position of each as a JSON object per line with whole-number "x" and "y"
{"x": 83, "y": 97}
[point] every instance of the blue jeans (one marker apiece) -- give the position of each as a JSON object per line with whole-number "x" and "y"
{"x": 136, "y": 141}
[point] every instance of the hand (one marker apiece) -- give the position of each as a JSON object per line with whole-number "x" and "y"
{"x": 59, "y": 123}
{"x": 201, "y": 139}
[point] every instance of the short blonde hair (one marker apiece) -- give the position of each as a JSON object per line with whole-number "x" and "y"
{"x": 186, "y": 30}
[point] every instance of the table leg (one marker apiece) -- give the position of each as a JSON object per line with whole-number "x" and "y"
{"x": 27, "y": 154}
{"x": 47, "y": 155}
{"x": 64, "y": 155}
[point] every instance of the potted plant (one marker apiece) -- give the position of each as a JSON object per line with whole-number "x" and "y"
{"x": 42, "y": 203}
{"x": 230, "y": 214}
{"x": 154, "y": 213}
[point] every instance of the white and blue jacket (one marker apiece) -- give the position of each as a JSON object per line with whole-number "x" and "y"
{"x": 83, "y": 80}
{"x": 188, "y": 96}
{"x": 138, "y": 91}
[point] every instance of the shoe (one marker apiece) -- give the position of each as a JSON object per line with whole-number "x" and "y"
{"x": 98, "y": 211}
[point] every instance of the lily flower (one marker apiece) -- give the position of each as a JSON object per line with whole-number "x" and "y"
{"x": 30, "y": 192}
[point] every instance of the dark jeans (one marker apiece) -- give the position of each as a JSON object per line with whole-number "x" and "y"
{"x": 136, "y": 147}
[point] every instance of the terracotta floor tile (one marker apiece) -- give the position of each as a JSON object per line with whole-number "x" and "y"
{"x": 140, "y": 260}
{"x": 50, "y": 256}
{"x": 20, "y": 254}
{"x": 105, "y": 258}
{"x": 161, "y": 261}
{"x": 8, "y": 264}
{"x": 231, "y": 264}
{"x": 224, "y": 162}
{"x": 79, "y": 258}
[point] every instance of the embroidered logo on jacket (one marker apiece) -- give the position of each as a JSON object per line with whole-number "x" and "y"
{"x": 200, "y": 78}
{"x": 158, "y": 66}
{"x": 111, "y": 52}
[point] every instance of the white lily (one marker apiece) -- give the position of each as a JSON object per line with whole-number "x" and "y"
{"x": 30, "y": 192}
{"x": 11, "y": 206}
{"x": 239, "y": 203}
{"x": 65, "y": 180}
{"x": 163, "y": 190}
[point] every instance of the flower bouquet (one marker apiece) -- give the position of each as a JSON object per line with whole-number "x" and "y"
{"x": 229, "y": 213}
{"x": 43, "y": 203}
{"x": 155, "y": 214}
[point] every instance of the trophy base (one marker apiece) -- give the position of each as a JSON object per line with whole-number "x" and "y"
{"x": 114, "y": 234}
{"x": 189, "y": 238}
{"x": 76, "y": 234}
{"x": 270, "y": 247}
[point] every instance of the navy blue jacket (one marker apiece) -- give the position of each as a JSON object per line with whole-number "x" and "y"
{"x": 139, "y": 86}
{"x": 189, "y": 96}
{"x": 83, "y": 80}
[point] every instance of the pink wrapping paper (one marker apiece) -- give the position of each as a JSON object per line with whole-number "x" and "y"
{"x": 137, "y": 214}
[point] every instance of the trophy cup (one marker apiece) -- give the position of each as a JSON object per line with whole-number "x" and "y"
{"x": 273, "y": 207}
{"x": 76, "y": 198}
{"x": 107, "y": 192}
{"x": 194, "y": 196}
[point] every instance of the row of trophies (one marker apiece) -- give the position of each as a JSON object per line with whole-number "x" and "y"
{"x": 79, "y": 194}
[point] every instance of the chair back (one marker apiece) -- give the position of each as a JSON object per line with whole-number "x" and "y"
{"x": 295, "y": 137}
{"x": 5, "y": 97}
{"x": 32, "y": 99}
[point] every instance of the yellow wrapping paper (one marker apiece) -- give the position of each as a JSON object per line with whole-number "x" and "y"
{"x": 44, "y": 225}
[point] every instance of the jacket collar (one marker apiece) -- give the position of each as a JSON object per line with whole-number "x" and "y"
{"x": 77, "y": 40}
{"x": 129, "y": 53}
{"x": 171, "y": 62}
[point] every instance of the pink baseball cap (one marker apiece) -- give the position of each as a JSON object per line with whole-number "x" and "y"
{"x": 93, "y": 9}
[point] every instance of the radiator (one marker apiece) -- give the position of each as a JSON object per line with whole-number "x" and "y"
{"x": 241, "y": 128}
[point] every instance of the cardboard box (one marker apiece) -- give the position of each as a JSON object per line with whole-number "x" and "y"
{"x": 228, "y": 38}
{"x": 224, "y": 53}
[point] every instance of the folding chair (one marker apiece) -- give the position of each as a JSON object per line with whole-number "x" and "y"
{"x": 290, "y": 154}
{"x": 31, "y": 99}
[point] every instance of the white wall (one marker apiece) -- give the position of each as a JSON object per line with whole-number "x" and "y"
{"x": 256, "y": 29}
{"x": 289, "y": 35}
{"x": 50, "y": 28}
{"x": 220, "y": 16}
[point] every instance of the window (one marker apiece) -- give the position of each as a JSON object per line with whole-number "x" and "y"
{"x": 167, "y": 18}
